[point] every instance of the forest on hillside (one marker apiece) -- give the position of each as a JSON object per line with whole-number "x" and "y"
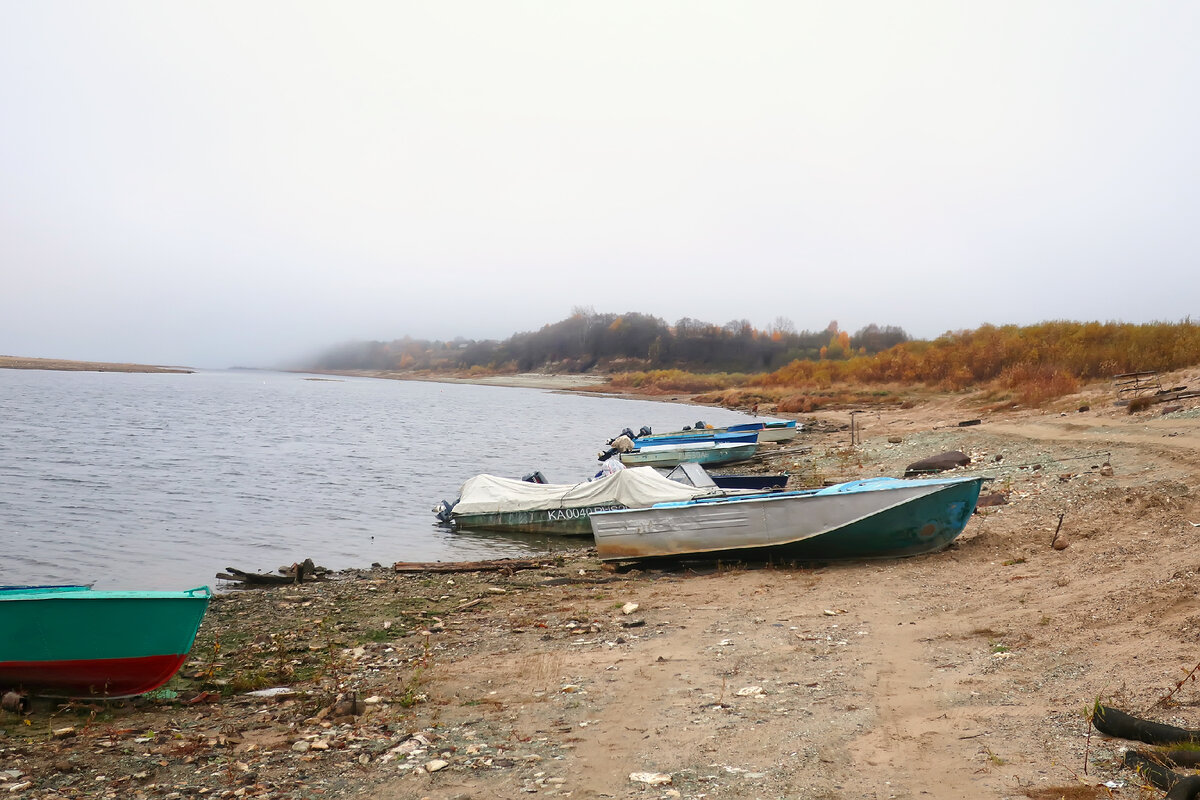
{"x": 591, "y": 342}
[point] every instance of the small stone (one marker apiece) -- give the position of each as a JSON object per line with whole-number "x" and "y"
{"x": 1061, "y": 543}
{"x": 436, "y": 764}
{"x": 320, "y": 744}
{"x": 895, "y": 439}
{"x": 1106, "y": 470}
{"x": 63, "y": 733}
{"x": 301, "y": 746}
{"x": 650, "y": 778}
{"x": 629, "y": 608}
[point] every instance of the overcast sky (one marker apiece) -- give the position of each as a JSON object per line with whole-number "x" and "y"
{"x": 241, "y": 183}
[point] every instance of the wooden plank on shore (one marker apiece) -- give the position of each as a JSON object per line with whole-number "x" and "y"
{"x": 497, "y": 565}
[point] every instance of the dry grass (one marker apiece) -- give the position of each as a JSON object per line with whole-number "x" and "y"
{"x": 1026, "y": 366}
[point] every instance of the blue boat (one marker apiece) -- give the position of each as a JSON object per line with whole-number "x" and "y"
{"x": 875, "y": 518}
{"x": 767, "y": 430}
{"x": 725, "y": 437}
{"x": 704, "y": 452}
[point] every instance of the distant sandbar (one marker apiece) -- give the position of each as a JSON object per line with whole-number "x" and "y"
{"x": 17, "y": 362}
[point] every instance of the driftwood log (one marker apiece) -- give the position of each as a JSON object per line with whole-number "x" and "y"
{"x": 498, "y": 565}
{"x": 939, "y": 463}
{"x": 296, "y": 573}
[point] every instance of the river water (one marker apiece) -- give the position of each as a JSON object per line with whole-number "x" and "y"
{"x": 161, "y": 481}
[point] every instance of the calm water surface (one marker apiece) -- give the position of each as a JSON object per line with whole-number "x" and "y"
{"x": 161, "y": 481}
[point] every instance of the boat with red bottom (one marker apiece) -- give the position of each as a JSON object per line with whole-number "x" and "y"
{"x": 75, "y": 641}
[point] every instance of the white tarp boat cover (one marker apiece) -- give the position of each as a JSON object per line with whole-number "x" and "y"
{"x": 637, "y": 487}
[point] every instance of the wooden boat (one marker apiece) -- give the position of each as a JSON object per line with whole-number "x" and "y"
{"x": 875, "y": 518}
{"x": 74, "y": 641}
{"x": 668, "y": 455}
{"x": 489, "y": 502}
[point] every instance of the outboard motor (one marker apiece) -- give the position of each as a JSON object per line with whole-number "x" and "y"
{"x": 535, "y": 477}
{"x": 645, "y": 431}
{"x": 442, "y": 511}
{"x": 700, "y": 425}
{"x": 625, "y": 432}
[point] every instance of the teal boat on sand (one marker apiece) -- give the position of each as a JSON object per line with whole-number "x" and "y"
{"x": 874, "y": 518}
{"x": 74, "y": 641}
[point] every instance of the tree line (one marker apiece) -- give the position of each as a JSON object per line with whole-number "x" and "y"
{"x": 587, "y": 341}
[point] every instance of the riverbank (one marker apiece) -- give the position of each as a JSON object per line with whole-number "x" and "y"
{"x": 966, "y": 673}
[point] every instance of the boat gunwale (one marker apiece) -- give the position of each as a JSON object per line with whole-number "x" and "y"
{"x": 771, "y": 496}
{"x": 75, "y": 593}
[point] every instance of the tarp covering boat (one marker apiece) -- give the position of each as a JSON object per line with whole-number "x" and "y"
{"x": 636, "y": 487}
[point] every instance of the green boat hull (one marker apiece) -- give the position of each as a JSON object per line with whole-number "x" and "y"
{"x": 76, "y": 642}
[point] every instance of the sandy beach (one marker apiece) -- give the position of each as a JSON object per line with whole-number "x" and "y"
{"x": 965, "y": 673}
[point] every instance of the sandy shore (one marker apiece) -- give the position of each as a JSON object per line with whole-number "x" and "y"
{"x": 967, "y": 673}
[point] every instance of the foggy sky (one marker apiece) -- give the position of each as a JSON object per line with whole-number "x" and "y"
{"x": 243, "y": 183}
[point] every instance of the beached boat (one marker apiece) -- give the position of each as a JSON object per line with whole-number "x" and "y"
{"x": 875, "y": 518}
{"x": 752, "y": 483}
{"x": 489, "y": 502}
{"x": 74, "y": 641}
{"x": 782, "y": 431}
{"x": 708, "y": 452}
{"x": 697, "y": 475}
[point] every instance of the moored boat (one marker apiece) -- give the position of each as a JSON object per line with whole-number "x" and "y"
{"x": 720, "y": 437}
{"x": 490, "y": 502}
{"x": 874, "y": 518}
{"x": 74, "y": 641}
{"x": 767, "y": 430}
{"x": 669, "y": 455}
